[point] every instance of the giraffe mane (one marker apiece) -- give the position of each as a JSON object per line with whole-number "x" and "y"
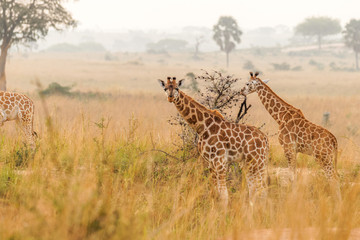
{"x": 202, "y": 107}
{"x": 217, "y": 113}
{"x": 280, "y": 99}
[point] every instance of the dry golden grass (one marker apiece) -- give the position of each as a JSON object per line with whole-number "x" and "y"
{"x": 96, "y": 179}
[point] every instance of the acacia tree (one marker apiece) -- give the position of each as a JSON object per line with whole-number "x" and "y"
{"x": 219, "y": 94}
{"x": 352, "y": 38}
{"x": 27, "y": 21}
{"x": 226, "y": 35}
{"x": 318, "y": 27}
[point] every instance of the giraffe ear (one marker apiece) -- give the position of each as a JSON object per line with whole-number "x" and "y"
{"x": 180, "y": 82}
{"x": 266, "y": 80}
{"x": 162, "y": 83}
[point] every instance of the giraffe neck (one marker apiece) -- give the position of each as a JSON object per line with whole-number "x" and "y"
{"x": 194, "y": 113}
{"x": 280, "y": 110}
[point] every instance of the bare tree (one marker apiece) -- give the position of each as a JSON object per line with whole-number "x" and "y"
{"x": 218, "y": 94}
{"x": 27, "y": 21}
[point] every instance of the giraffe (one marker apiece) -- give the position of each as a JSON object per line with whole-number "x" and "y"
{"x": 19, "y": 107}
{"x": 296, "y": 133}
{"x": 221, "y": 142}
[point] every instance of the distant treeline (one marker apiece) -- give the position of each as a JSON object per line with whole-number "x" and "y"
{"x": 81, "y": 47}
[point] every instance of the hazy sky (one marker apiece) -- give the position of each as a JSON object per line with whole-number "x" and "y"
{"x": 164, "y": 14}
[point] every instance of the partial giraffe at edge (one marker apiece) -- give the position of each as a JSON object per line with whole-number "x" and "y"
{"x": 19, "y": 107}
{"x": 296, "y": 133}
{"x": 221, "y": 142}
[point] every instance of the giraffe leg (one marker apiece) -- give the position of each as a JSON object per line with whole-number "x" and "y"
{"x": 25, "y": 120}
{"x": 251, "y": 183}
{"x": 328, "y": 166}
{"x": 214, "y": 179}
{"x": 208, "y": 165}
{"x": 2, "y": 118}
{"x": 27, "y": 128}
{"x": 220, "y": 170}
{"x": 29, "y": 136}
{"x": 255, "y": 178}
{"x": 261, "y": 187}
{"x": 285, "y": 139}
{"x": 290, "y": 154}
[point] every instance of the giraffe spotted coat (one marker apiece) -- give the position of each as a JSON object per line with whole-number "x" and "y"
{"x": 19, "y": 107}
{"x": 296, "y": 133}
{"x": 221, "y": 142}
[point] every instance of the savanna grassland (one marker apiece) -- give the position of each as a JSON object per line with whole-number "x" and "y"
{"x": 94, "y": 174}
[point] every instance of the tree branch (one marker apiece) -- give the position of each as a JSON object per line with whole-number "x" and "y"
{"x": 240, "y": 115}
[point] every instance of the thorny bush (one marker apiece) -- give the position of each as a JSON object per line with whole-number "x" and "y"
{"x": 219, "y": 93}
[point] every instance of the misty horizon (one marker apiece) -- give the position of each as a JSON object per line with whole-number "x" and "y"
{"x": 131, "y": 26}
{"x": 116, "y": 16}
{"x": 137, "y": 40}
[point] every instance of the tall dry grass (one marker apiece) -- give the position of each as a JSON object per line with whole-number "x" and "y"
{"x": 93, "y": 177}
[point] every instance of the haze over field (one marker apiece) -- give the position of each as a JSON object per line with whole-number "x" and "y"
{"x": 130, "y": 26}
{"x": 110, "y": 163}
{"x": 113, "y": 15}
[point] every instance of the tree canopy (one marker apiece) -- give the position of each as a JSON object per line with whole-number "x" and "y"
{"x": 319, "y": 27}
{"x": 227, "y": 34}
{"x": 352, "y": 38}
{"x": 27, "y": 21}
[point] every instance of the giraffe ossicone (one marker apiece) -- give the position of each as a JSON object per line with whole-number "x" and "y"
{"x": 296, "y": 133}
{"x": 221, "y": 142}
{"x": 19, "y": 107}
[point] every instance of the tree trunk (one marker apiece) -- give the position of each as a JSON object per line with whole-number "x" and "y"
{"x": 319, "y": 41}
{"x": 356, "y": 61}
{"x": 227, "y": 59}
{"x": 3, "y": 56}
{"x": 196, "y": 50}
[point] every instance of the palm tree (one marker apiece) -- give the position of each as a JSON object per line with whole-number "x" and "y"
{"x": 225, "y": 31}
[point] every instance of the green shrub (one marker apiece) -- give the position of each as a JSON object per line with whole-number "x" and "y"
{"x": 56, "y": 89}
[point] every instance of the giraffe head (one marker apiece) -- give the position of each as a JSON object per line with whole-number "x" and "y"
{"x": 252, "y": 85}
{"x": 171, "y": 88}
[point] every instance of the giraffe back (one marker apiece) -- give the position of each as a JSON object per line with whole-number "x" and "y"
{"x": 16, "y": 106}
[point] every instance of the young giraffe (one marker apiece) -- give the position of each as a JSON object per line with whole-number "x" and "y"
{"x": 221, "y": 142}
{"x": 296, "y": 133}
{"x": 15, "y": 106}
